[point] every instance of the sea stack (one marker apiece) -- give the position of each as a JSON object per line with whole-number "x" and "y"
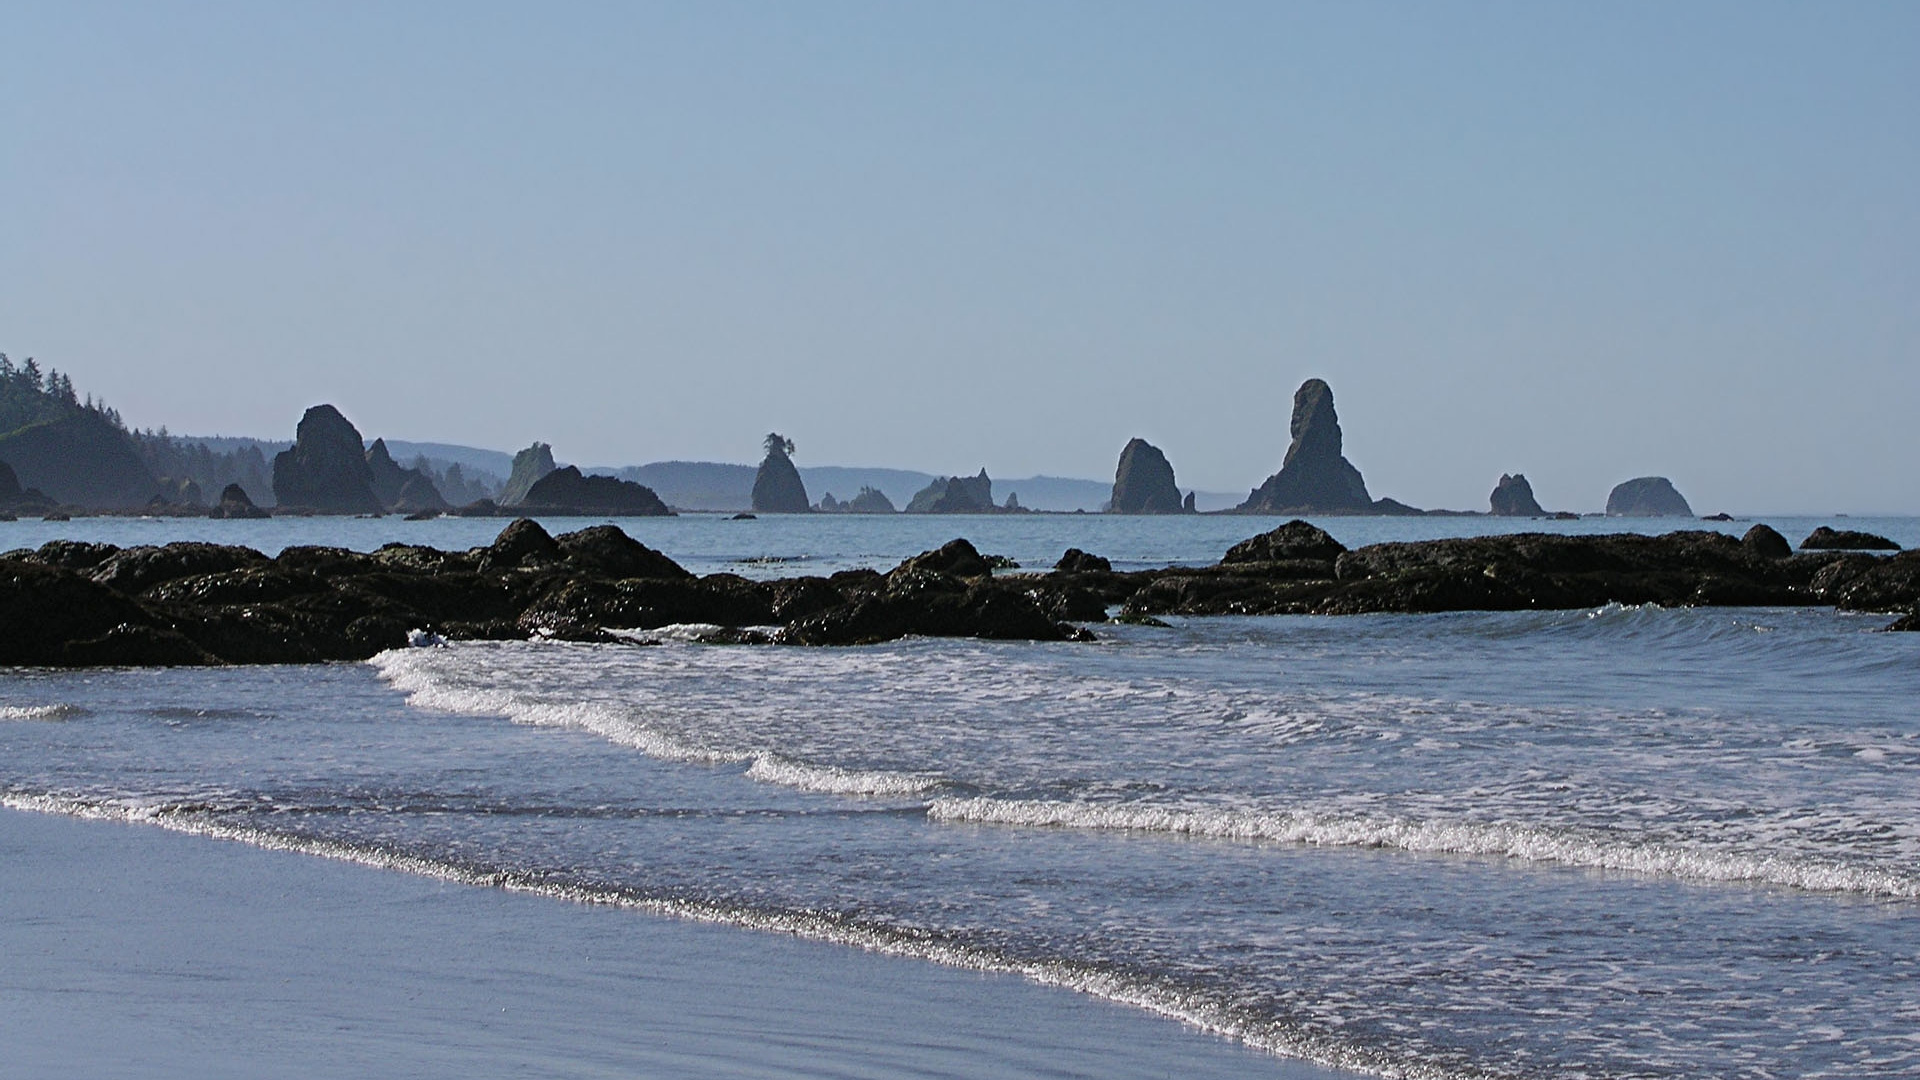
{"x": 566, "y": 491}
{"x": 955, "y": 495}
{"x": 1513, "y": 497}
{"x": 1647, "y": 496}
{"x": 529, "y": 466}
{"x": 1143, "y": 484}
{"x": 405, "y": 491}
{"x": 777, "y": 488}
{"x": 1314, "y": 478}
{"x": 326, "y": 470}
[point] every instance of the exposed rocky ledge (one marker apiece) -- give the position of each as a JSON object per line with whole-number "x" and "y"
{"x": 71, "y": 603}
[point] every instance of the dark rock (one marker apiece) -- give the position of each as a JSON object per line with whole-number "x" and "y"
{"x": 744, "y": 517}
{"x": 1186, "y": 505}
{"x": 79, "y": 460}
{"x": 45, "y": 607}
{"x": 955, "y": 495}
{"x": 1295, "y": 540}
{"x": 921, "y": 602}
{"x": 529, "y": 466}
{"x": 136, "y": 645}
{"x": 828, "y": 504}
{"x": 777, "y": 488}
{"x": 1076, "y": 561}
{"x": 1143, "y": 482}
{"x": 326, "y": 469}
{"x": 1717, "y": 517}
{"x": 566, "y": 491}
{"x": 1314, "y": 478}
{"x": 134, "y": 570}
{"x": 607, "y": 551}
{"x": 234, "y": 503}
{"x": 1763, "y": 541}
{"x": 957, "y": 558}
{"x": 522, "y": 543}
{"x": 478, "y": 508}
{"x": 1513, "y": 497}
{"x": 9, "y": 482}
{"x": 418, "y": 496}
{"x": 73, "y": 554}
{"x": 1876, "y": 583}
{"x": 1647, "y": 496}
{"x": 1829, "y": 539}
{"x": 1909, "y": 623}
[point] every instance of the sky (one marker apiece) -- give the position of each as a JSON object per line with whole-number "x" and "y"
{"x": 1585, "y": 242}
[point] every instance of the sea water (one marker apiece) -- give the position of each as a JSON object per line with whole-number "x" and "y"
{"x": 1598, "y": 843}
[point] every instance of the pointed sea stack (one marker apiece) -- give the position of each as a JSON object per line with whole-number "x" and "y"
{"x": 326, "y": 470}
{"x": 1315, "y": 478}
{"x": 955, "y": 495}
{"x": 1647, "y": 496}
{"x": 1143, "y": 483}
{"x": 405, "y": 491}
{"x": 529, "y": 466}
{"x": 777, "y": 488}
{"x": 1513, "y": 497}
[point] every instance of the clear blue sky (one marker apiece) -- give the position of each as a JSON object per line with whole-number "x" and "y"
{"x": 1583, "y": 241}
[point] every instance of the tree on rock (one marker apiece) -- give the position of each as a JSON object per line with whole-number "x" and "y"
{"x": 777, "y": 488}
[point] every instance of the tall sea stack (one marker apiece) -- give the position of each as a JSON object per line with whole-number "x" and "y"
{"x": 1314, "y": 478}
{"x": 777, "y": 488}
{"x": 1143, "y": 484}
{"x": 326, "y": 470}
{"x": 529, "y": 466}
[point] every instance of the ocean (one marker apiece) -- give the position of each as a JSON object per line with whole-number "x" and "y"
{"x": 1618, "y": 842}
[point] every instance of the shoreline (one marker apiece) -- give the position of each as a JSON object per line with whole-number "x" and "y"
{"x": 168, "y": 954}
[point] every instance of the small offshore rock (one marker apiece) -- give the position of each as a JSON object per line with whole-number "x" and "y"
{"x": 1076, "y": 561}
{"x": 1828, "y": 539}
{"x": 1295, "y": 540}
{"x": 1766, "y": 542}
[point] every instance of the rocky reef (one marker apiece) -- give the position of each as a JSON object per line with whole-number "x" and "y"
{"x": 1315, "y": 477}
{"x": 777, "y": 488}
{"x": 1143, "y": 482}
{"x": 71, "y": 603}
{"x": 1647, "y": 496}
{"x": 566, "y": 491}
{"x": 1513, "y": 497}
{"x": 955, "y": 495}
{"x": 326, "y": 469}
{"x": 1825, "y": 538}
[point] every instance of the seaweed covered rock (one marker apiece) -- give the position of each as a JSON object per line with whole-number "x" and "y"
{"x": 1825, "y": 538}
{"x": 1076, "y": 561}
{"x": 607, "y": 551}
{"x": 1766, "y": 542}
{"x": 1295, "y": 540}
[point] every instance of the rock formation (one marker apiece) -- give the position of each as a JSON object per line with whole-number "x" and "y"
{"x": 1829, "y": 539}
{"x": 1314, "y": 478}
{"x": 777, "y": 487}
{"x": 326, "y": 470}
{"x": 529, "y": 466}
{"x": 404, "y": 491}
{"x": 1295, "y": 540}
{"x": 1076, "y": 561}
{"x": 234, "y": 503}
{"x": 1143, "y": 483}
{"x": 1513, "y": 497}
{"x": 1767, "y": 543}
{"x": 1647, "y": 496}
{"x": 828, "y": 504}
{"x": 955, "y": 495}
{"x": 81, "y": 459}
{"x": 566, "y": 491}
{"x": 17, "y": 500}
{"x": 870, "y": 500}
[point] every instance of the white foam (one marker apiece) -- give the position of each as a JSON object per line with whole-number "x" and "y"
{"x": 40, "y": 712}
{"x": 1450, "y": 837}
{"x": 832, "y": 780}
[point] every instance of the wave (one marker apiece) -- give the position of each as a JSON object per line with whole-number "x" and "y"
{"x": 41, "y": 712}
{"x": 1442, "y": 837}
{"x": 833, "y": 780}
{"x": 1214, "y": 1013}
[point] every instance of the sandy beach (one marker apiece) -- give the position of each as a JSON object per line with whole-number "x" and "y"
{"x": 135, "y": 951}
